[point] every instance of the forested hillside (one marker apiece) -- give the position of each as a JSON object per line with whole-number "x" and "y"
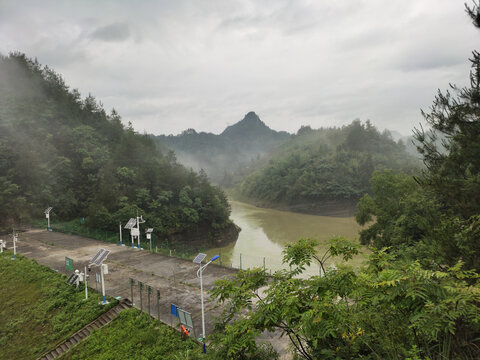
{"x": 328, "y": 164}
{"x": 221, "y": 155}
{"x": 57, "y": 149}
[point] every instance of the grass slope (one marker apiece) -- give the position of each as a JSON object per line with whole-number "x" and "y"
{"x": 134, "y": 335}
{"x": 38, "y": 311}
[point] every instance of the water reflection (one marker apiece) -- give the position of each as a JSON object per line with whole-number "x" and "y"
{"x": 265, "y": 232}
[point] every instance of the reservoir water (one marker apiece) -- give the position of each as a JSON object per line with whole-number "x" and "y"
{"x": 265, "y": 232}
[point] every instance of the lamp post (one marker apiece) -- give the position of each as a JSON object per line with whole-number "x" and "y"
{"x": 198, "y": 260}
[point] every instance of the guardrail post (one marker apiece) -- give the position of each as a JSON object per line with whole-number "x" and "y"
{"x": 158, "y": 305}
{"x": 149, "y": 291}
{"x": 132, "y": 282}
{"x": 140, "y": 284}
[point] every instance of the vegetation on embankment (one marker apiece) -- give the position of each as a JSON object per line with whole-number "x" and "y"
{"x": 57, "y": 149}
{"x": 38, "y": 310}
{"x": 134, "y": 335}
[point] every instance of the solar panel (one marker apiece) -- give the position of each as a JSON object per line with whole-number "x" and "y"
{"x": 100, "y": 252}
{"x": 102, "y": 257}
{"x": 72, "y": 279}
{"x": 199, "y": 258}
{"x": 149, "y": 230}
{"x": 130, "y": 224}
{"x": 48, "y": 210}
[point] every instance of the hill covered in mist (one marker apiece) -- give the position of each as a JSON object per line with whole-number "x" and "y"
{"x": 220, "y": 155}
{"x": 57, "y": 149}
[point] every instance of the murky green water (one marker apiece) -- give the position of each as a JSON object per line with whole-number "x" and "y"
{"x": 265, "y": 232}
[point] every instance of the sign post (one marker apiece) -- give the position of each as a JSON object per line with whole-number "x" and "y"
{"x": 68, "y": 264}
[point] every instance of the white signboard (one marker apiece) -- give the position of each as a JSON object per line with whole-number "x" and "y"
{"x": 135, "y": 232}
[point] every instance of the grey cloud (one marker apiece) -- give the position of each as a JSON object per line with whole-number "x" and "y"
{"x": 113, "y": 32}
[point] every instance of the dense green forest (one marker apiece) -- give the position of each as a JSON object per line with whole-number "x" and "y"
{"x": 57, "y": 149}
{"x": 220, "y": 155}
{"x": 418, "y": 295}
{"x": 326, "y": 164}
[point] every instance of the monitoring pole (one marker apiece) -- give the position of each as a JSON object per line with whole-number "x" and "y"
{"x": 148, "y": 234}
{"x": 98, "y": 260}
{"x": 139, "y": 220}
{"x": 47, "y": 215}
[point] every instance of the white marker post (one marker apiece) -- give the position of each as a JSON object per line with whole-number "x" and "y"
{"x": 103, "y": 270}
{"x": 86, "y": 287}
{"x": 1, "y": 246}
{"x": 14, "y": 246}
{"x": 120, "y": 230}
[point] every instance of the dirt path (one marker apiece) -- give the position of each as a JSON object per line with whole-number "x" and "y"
{"x": 175, "y": 278}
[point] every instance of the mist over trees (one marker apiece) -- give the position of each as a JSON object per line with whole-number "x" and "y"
{"x": 57, "y": 149}
{"x": 221, "y": 155}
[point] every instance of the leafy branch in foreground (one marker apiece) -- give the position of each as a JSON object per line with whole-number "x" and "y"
{"x": 387, "y": 310}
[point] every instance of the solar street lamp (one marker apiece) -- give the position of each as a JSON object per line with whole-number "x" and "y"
{"x": 47, "y": 215}
{"x": 198, "y": 260}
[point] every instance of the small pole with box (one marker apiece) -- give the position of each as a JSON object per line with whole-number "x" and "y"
{"x": 148, "y": 234}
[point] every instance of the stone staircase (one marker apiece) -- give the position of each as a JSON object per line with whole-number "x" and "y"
{"x": 84, "y": 332}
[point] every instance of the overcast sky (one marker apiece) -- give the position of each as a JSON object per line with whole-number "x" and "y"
{"x": 171, "y": 65}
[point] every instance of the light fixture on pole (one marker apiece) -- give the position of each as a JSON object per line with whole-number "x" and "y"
{"x": 198, "y": 260}
{"x": 47, "y": 215}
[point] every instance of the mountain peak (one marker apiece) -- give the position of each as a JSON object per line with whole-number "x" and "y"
{"x": 252, "y": 117}
{"x": 250, "y": 124}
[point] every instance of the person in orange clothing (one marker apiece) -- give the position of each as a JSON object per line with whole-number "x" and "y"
{"x": 185, "y": 332}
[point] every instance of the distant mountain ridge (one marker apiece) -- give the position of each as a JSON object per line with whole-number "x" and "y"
{"x": 222, "y": 154}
